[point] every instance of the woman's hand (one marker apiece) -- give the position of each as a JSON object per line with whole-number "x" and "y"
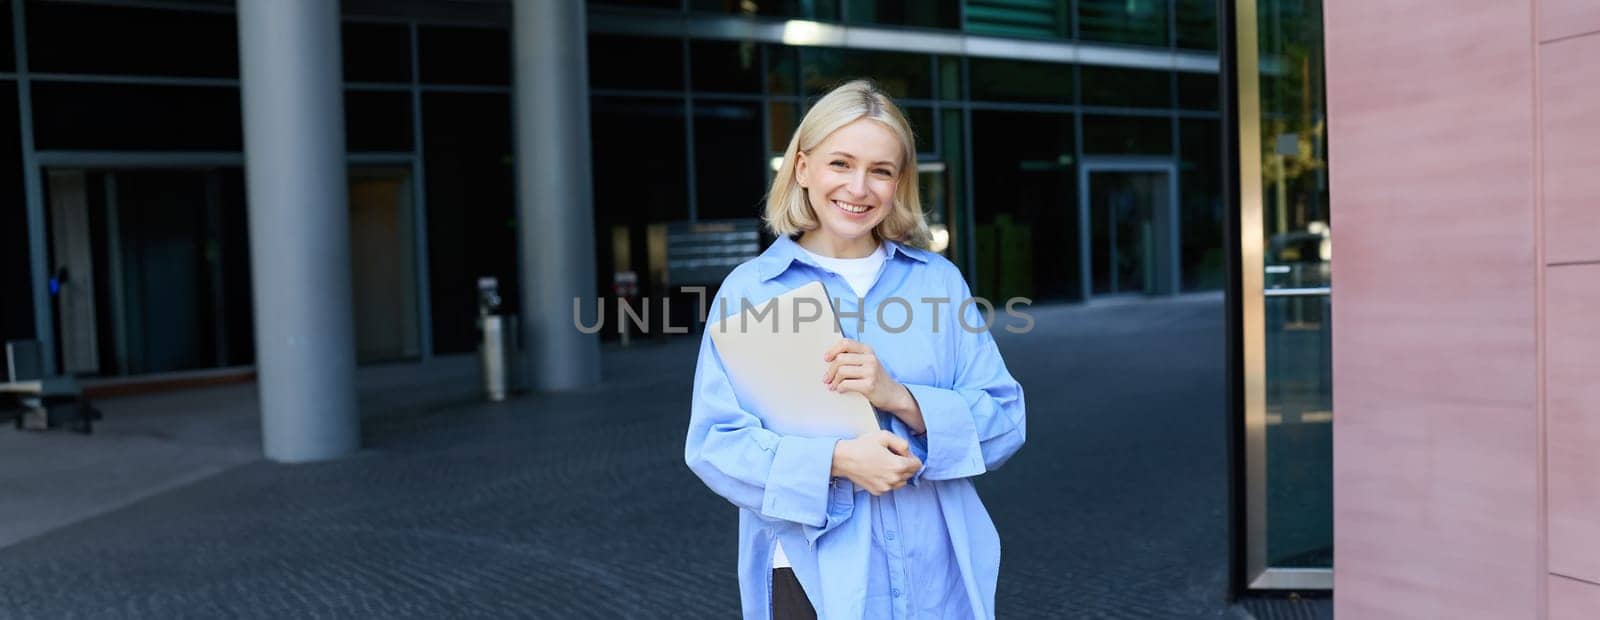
{"x": 879, "y": 462}
{"x": 854, "y": 367}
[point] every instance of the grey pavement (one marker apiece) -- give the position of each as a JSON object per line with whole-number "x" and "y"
{"x": 578, "y": 504}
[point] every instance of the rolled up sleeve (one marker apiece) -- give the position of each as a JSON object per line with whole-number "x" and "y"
{"x": 979, "y": 422}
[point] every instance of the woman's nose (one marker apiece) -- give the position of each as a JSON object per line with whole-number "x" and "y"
{"x": 858, "y": 184}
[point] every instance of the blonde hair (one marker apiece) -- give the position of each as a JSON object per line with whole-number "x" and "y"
{"x": 788, "y": 211}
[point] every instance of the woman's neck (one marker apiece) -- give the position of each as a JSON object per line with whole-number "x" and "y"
{"x": 823, "y": 244}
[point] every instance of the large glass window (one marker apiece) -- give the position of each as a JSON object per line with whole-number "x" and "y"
{"x": 1017, "y": 80}
{"x": 70, "y": 37}
{"x": 471, "y": 209}
{"x": 1126, "y": 88}
{"x": 153, "y": 267}
{"x": 1199, "y": 91}
{"x": 377, "y": 121}
{"x": 635, "y": 63}
{"x": 641, "y": 177}
{"x": 725, "y": 66}
{"x": 1044, "y": 19}
{"x": 136, "y": 117}
{"x": 376, "y": 52}
{"x": 729, "y": 180}
{"x": 1127, "y": 135}
{"x": 8, "y": 60}
{"x": 1025, "y": 201}
{"x": 1200, "y": 203}
{"x": 919, "y": 13}
{"x": 900, "y": 74}
{"x": 451, "y": 55}
{"x": 823, "y": 10}
{"x": 1295, "y": 214}
{"x": 1197, "y": 24}
{"x": 1287, "y": 292}
{"x": 1130, "y": 22}
{"x": 16, "y": 315}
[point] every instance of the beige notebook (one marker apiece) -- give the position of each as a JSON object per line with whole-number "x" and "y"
{"x": 774, "y": 360}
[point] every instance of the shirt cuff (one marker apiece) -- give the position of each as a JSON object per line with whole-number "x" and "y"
{"x": 841, "y": 504}
{"x": 952, "y": 435}
{"x": 798, "y": 486}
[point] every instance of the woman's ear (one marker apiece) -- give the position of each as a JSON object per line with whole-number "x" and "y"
{"x": 800, "y": 169}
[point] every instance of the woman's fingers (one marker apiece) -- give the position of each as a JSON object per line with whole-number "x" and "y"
{"x": 860, "y": 386}
{"x": 846, "y": 345}
{"x": 842, "y": 360}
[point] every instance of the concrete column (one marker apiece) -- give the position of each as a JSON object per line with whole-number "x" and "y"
{"x": 291, "y": 81}
{"x": 555, "y": 203}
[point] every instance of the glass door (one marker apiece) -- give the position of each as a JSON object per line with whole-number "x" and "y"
{"x": 383, "y": 264}
{"x": 1285, "y": 295}
{"x": 149, "y": 270}
{"x": 1129, "y": 228}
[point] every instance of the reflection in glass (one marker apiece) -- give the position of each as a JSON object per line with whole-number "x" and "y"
{"x": 1132, "y": 22}
{"x": 725, "y": 66}
{"x": 471, "y": 209}
{"x": 1200, "y": 203}
{"x": 728, "y": 162}
{"x": 920, "y": 13}
{"x": 658, "y": 187}
{"x": 1025, "y": 206}
{"x": 635, "y": 63}
{"x": 1197, "y": 24}
{"x": 1127, "y": 135}
{"x": 1126, "y": 88}
{"x": 1034, "y": 19}
{"x": 901, "y": 75}
{"x": 1296, "y": 259}
{"x": 463, "y": 55}
{"x": 383, "y": 276}
{"x": 1016, "y": 80}
{"x": 1299, "y": 432}
{"x": 820, "y": 10}
{"x": 1126, "y": 230}
{"x": 154, "y": 270}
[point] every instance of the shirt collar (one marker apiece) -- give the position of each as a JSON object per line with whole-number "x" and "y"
{"x": 785, "y": 252}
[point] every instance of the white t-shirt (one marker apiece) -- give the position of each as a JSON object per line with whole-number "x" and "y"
{"x": 860, "y": 274}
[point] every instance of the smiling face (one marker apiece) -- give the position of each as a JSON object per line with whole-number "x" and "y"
{"x": 850, "y": 179}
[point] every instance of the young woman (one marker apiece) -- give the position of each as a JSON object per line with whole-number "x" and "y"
{"x": 886, "y": 525}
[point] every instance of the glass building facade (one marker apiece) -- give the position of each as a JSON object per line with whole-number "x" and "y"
{"x": 1068, "y": 150}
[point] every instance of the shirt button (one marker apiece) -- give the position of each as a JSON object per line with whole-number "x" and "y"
{"x": 889, "y": 535}
{"x": 895, "y": 592}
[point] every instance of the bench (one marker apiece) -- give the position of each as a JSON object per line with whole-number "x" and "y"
{"x": 42, "y": 403}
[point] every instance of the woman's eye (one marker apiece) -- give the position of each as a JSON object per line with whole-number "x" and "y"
{"x": 838, "y": 164}
{"x": 881, "y": 172}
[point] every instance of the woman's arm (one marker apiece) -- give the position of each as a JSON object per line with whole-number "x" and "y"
{"x": 777, "y": 476}
{"x": 972, "y": 426}
{"x": 980, "y": 421}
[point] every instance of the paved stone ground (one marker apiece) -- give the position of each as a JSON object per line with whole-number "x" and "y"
{"x": 578, "y": 505}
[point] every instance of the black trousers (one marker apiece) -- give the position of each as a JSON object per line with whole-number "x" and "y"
{"x": 789, "y": 601}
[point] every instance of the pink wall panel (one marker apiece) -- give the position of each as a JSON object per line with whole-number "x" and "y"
{"x": 1436, "y": 458}
{"x": 1573, "y": 600}
{"x": 1572, "y": 418}
{"x": 1565, "y": 18}
{"x": 1570, "y": 123}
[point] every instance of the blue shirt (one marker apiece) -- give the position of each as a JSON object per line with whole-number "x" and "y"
{"x": 928, "y": 549}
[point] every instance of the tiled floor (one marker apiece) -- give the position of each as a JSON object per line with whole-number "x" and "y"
{"x": 579, "y": 505}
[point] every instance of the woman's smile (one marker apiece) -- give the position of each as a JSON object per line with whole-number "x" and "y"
{"x": 852, "y": 209}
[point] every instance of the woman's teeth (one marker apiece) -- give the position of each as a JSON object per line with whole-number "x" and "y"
{"x": 852, "y": 208}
